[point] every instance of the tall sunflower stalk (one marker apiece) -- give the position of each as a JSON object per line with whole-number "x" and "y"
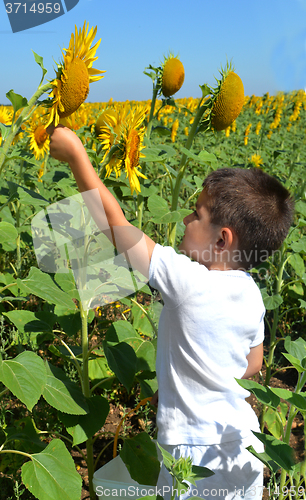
{"x": 167, "y": 80}
{"x": 216, "y": 112}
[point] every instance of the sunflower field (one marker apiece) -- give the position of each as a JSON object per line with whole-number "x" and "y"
{"x": 71, "y": 355}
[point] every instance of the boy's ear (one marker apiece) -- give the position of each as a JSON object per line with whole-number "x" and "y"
{"x": 226, "y": 239}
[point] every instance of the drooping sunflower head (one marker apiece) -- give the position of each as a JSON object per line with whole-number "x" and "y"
{"x": 228, "y": 99}
{"x": 172, "y": 76}
{"x": 74, "y": 74}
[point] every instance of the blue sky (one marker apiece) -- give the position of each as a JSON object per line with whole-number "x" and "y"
{"x": 266, "y": 40}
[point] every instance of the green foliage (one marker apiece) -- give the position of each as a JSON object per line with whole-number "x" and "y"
{"x": 140, "y": 457}
{"x": 47, "y": 333}
{"x": 51, "y": 473}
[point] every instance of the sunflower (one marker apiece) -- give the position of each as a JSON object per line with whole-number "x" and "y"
{"x": 74, "y": 74}
{"x": 228, "y": 99}
{"x": 6, "y": 116}
{"x": 174, "y": 129}
{"x": 39, "y": 139}
{"x": 256, "y": 160}
{"x": 173, "y": 76}
{"x": 130, "y": 143}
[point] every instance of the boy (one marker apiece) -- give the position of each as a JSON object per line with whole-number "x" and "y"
{"x": 211, "y": 328}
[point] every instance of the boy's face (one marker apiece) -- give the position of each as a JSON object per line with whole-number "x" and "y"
{"x": 201, "y": 237}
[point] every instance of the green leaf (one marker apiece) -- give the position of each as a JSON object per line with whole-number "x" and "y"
{"x": 299, "y": 246}
{"x": 154, "y": 154}
{"x": 63, "y": 394}
{"x": 4, "y": 130}
{"x": 121, "y": 331}
{"x": 296, "y": 348}
{"x": 300, "y": 207}
{"x": 199, "y": 472}
{"x": 122, "y": 361}
{"x": 264, "y": 458}
{"x": 98, "y": 369}
{"x": 39, "y": 61}
{"x": 168, "y": 459}
{"x": 51, "y": 474}
{"x": 203, "y": 157}
{"x": 17, "y": 100}
{"x": 35, "y": 327}
{"x": 140, "y": 457}
{"x": 161, "y": 131}
{"x": 25, "y": 376}
{"x": 276, "y": 420}
{"x": 263, "y": 394}
{"x": 26, "y": 434}
{"x": 277, "y": 451}
{"x": 29, "y": 197}
{"x": 146, "y": 356}
{"x": 272, "y": 301}
{"x": 295, "y": 362}
{"x": 42, "y": 285}
{"x": 28, "y": 321}
{"x": 67, "y": 283}
{"x": 297, "y": 400}
{"x": 7, "y": 232}
{"x": 296, "y": 261}
{"x": 83, "y": 427}
{"x": 157, "y": 205}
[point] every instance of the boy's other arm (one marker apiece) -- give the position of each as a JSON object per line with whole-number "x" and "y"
{"x": 255, "y": 358}
{"x": 67, "y": 147}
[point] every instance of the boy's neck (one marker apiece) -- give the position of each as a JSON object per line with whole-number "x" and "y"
{"x": 225, "y": 266}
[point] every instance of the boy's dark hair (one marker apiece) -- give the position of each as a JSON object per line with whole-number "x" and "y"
{"x": 255, "y": 205}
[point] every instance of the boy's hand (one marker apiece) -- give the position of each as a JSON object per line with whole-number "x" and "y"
{"x": 64, "y": 144}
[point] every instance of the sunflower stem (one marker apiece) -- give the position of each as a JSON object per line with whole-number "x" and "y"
{"x": 182, "y": 168}
{"x": 150, "y": 122}
{"x": 25, "y": 113}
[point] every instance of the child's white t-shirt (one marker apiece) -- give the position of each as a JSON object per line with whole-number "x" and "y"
{"x": 208, "y": 324}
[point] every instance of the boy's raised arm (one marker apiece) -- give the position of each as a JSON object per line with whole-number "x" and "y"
{"x": 67, "y": 147}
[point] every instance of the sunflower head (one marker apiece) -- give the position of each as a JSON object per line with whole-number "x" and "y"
{"x": 129, "y": 140}
{"x": 39, "y": 138}
{"x": 228, "y": 99}
{"x": 74, "y": 74}
{"x": 172, "y": 76}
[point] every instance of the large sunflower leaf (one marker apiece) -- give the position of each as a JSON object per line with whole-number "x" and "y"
{"x": 83, "y": 427}
{"x": 51, "y": 474}
{"x": 63, "y": 394}
{"x": 140, "y": 457}
{"x": 25, "y": 376}
{"x": 122, "y": 361}
{"x": 42, "y": 285}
